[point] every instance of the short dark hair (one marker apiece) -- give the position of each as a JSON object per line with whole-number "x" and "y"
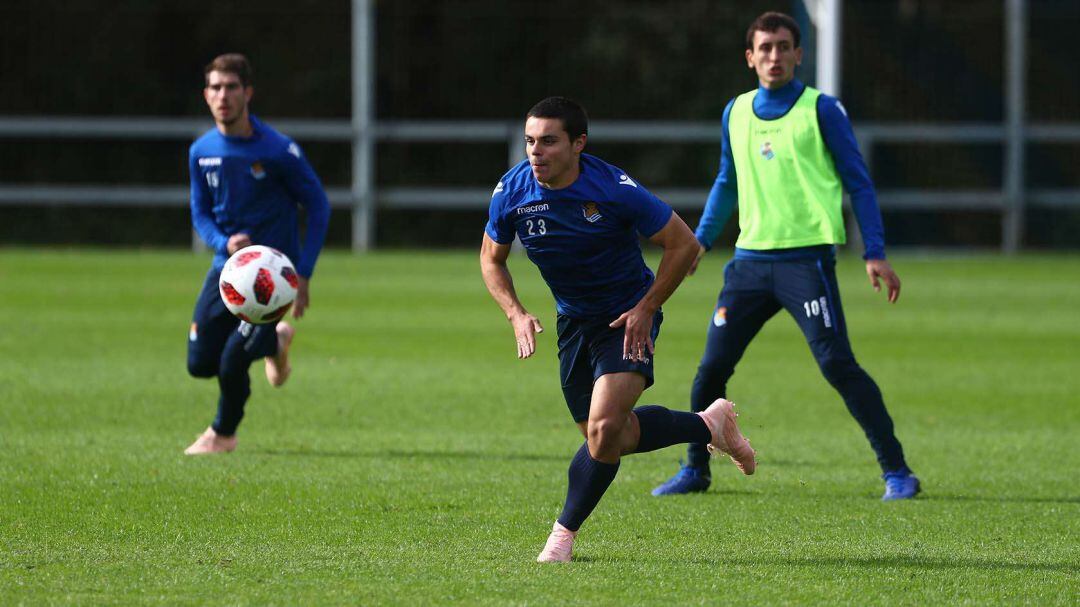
{"x": 770, "y": 22}
{"x": 233, "y": 63}
{"x": 575, "y": 121}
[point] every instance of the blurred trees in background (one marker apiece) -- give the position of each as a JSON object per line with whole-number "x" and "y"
{"x": 903, "y": 60}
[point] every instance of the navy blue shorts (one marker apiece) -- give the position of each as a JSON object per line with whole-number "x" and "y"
{"x": 756, "y": 290}
{"x": 589, "y": 348}
{"x": 215, "y": 331}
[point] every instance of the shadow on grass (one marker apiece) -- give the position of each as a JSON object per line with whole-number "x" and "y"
{"x": 903, "y": 562}
{"x": 417, "y": 454}
{"x": 935, "y": 497}
{"x": 883, "y": 562}
{"x": 713, "y": 493}
{"x": 986, "y": 498}
{"x": 791, "y": 463}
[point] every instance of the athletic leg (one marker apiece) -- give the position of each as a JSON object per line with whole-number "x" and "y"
{"x": 575, "y": 369}
{"x": 591, "y": 351}
{"x": 659, "y": 427}
{"x": 746, "y": 302}
{"x": 724, "y": 346}
{"x": 609, "y": 431}
{"x": 246, "y": 345}
{"x": 278, "y": 368}
{"x": 211, "y": 325}
{"x": 612, "y": 428}
{"x": 808, "y": 290}
{"x": 576, "y": 375}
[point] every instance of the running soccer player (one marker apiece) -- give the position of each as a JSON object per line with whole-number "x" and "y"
{"x": 578, "y": 219}
{"x": 786, "y": 152}
{"x": 247, "y": 181}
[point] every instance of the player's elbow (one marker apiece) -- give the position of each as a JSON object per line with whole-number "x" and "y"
{"x": 685, "y": 242}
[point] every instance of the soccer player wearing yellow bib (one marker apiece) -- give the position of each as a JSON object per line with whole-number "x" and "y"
{"x": 787, "y": 152}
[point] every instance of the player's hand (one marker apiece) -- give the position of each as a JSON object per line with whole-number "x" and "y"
{"x": 302, "y": 298}
{"x": 237, "y": 242}
{"x": 526, "y": 326}
{"x": 693, "y": 265}
{"x": 637, "y": 337}
{"x": 879, "y": 268}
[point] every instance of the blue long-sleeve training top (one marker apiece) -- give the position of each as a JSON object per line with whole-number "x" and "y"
{"x": 839, "y": 140}
{"x": 255, "y": 185}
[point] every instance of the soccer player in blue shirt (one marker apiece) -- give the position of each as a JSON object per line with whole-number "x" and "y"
{"x": 247, "y": 181}
{"x": 794, "y": 150}
{"x": 578, "y": 219}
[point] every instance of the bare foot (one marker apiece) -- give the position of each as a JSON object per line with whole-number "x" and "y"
{"x": 277, "y": 366}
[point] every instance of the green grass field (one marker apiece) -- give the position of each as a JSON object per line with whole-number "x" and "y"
{"x": 412, "y": 459}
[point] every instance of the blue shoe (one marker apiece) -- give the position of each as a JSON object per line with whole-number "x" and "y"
{"x": 900, "y": 485}
{"x": 687, "y": 480}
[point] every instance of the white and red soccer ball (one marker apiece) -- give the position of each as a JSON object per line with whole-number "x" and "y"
{"x": 258, "y": 284}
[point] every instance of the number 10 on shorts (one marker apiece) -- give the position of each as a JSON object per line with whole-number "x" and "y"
{"x": 818, "y": 307}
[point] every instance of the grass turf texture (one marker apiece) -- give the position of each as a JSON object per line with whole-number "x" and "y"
{"x": 413, "y": 459}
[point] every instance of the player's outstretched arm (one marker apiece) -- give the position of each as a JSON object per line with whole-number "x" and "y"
{"x": 680, "y": 249}
{"x": 501, "y": 286}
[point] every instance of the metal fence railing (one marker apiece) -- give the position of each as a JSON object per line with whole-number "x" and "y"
{"x": 690, "y": 197}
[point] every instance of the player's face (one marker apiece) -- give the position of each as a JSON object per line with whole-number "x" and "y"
{"x": 774, "y": 57}
{"x": 554, "y": 158}
{"x": 226, "y": 97}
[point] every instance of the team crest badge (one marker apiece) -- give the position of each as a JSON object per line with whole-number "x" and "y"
{"x": 193, "y": 334}
{"x": 719, "y": 318}
{"x": 766, "y": 150}
{"x": 591, "y": 213}
{"x": 257, "y": 170}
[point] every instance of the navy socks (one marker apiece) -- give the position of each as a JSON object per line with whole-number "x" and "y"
{"x": 662, "y": 427}
{"x": 589, "y": 479}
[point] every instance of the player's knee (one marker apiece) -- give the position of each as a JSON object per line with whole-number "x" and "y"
{"x": 604, "y": 434}
{"x": 231, "y": 372}
{"x": 234, "y": 361}
{"x": 837, "y": 369}
{"x": 715, "y": 367}
{"x": 200, "y": 367}
{"x": 712, "y": 377}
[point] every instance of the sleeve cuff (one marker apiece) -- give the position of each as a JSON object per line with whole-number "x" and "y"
{"x": 708, "y": 246}
{"x": 495, "y": 236}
